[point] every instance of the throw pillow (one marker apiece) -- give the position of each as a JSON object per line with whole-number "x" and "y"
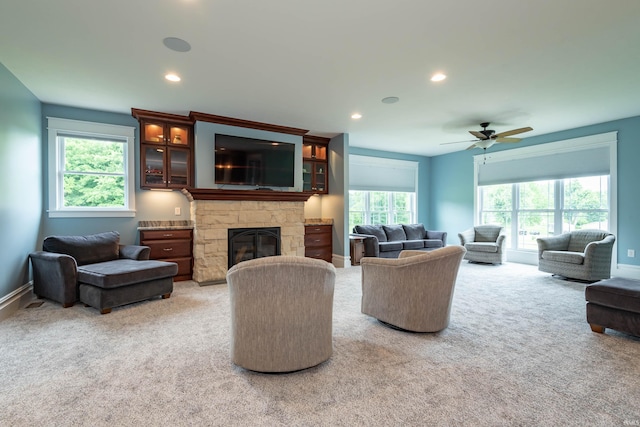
{"x": 394, "y": 233}
{"x": 414, "y": 231}
{"x": 375, "y": 230}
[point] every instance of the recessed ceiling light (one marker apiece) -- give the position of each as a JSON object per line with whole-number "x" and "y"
{"x": 172, "y": 77}
{"x": 176, "y": 44}
{"x": 390, "y": 100}
{"x": 438, "y": 77}
{"x": 356, "y": 116}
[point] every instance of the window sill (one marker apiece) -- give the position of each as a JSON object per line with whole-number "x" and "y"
{"x": 86, "y": 213}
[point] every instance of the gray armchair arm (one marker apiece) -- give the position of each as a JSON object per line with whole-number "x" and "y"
{"x": 135, "y": 252}
{"x": 55, "y": 276}
{"x": 440, "y": 235}
{"x": 597, "y": 256}
{"x": 467, "y": 236}
{"x": 371, "y": 248}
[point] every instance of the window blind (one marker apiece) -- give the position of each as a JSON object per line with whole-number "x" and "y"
{"x": 588, "y": 156}
{"x": 367, "y": 173}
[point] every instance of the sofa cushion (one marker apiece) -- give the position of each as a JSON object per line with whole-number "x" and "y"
{"x": 481, "y": 247}
{"x": 390, "y": 246}
{"x": 413, "y": 244}
{"x": 375, "y": 230}
{"x": 87, "y": 249}
{"x": 395, "y": 233}
{"x": 564, "y": 256}
{"x": 414, "y": 231}
{"x": 433, "y": 243}
{"x": 122, "y": 272}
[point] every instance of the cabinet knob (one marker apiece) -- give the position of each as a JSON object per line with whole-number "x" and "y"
{"x": 167, "y": 249}
{"x": 168, "y": 235}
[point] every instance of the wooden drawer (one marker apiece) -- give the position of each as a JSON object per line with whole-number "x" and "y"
{"x": 312, "y": 240}
{"x": 315, "y": 229}
{"x": 319, "y": 253}
{"x": 184, "y": 268}
{"x": 162, "y": 249}
{"x": 164, "y": 234}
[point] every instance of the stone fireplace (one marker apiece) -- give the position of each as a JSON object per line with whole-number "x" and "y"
{"x": 213, "y": 217}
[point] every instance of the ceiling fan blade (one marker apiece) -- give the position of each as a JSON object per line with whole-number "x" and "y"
{"x": 478, "y": 135}
{"x": 471, "y": 146}
{"x": 513, "y": 132}
{"x": 457, "y": 142}
{"x": 508, "y": 139}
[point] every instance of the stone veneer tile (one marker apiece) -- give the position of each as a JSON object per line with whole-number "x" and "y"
{"x": 212, "y": 219}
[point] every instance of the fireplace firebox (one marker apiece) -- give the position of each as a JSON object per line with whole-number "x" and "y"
{"x": 250, "y": 243}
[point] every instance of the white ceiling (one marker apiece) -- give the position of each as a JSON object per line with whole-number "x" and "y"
{"x": 548, "y": 64}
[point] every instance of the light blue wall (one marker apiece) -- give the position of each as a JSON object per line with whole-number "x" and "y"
{"x": 20, "y": 180}
{"x": 424, "y": 179}
{"x": 452, "y": 175}
{"x": 150, "y": 205}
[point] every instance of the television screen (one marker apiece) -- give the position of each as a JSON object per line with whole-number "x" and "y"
{"x": 254, "y": 162}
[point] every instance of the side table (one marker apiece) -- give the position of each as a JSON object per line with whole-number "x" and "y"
{"x": 357, "y": 249}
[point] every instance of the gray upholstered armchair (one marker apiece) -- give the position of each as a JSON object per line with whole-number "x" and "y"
{"x": 484, "y": 243}
{"x": 579, "y": 254}
{"x": 281, "y": 313}
{"x": 413, "y": 292}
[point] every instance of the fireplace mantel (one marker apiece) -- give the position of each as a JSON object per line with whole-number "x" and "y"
{"x": 254, "y": 195}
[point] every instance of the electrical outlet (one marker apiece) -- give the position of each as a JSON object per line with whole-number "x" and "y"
{"x": 631, "y": 253}
{"x": 177, "y": 211}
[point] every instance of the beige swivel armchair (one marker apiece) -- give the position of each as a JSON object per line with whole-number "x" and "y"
{"x": 484, "y": 243}
{"x": 281, "y": 313}
{"x": 579, "y": 254}
{"x": 413, "y": 292}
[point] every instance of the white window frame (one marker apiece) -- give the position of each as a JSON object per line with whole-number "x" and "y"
{"x": 391, "y": 211}
{"x": 608, "y": 140}
{"x": 57, "y": 126}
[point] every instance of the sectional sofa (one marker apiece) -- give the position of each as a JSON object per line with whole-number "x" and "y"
{"x": 387, "y": 241}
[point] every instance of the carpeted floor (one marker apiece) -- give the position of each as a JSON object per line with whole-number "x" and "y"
{"x": 518, "y": 351}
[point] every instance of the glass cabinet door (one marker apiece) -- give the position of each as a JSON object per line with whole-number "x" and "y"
{"x": 307, "y": 169}
{"x": 178, "y": 135}
{"x": 320, "y": 176}
{"x": 178, "y": 167}
{"x": 154, "y": 167}
{"x": 153, "y": 132}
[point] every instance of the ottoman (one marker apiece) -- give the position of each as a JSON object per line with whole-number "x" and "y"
{"x": 111, "y": 284}
{"x": 614, "y": 303}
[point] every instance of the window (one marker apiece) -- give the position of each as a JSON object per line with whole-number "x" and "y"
{"x": 91, "y": 169}
{"x": 543, "y": 208}
{"x": 381, "y": 207}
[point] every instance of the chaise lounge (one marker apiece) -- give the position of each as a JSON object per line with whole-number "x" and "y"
{"x": 98, "y": 271}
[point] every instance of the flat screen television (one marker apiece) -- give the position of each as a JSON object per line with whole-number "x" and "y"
{"x": 253, "y": 162}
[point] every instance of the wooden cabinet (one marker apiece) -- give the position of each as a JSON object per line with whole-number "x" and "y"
{"x": 171, "y": 245}
{"x": 315, "y": 165}
{"x": 318, "y": 241}
{"x": 166, "y": 150}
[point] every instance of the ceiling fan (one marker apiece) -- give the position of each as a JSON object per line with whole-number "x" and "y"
{"x": 488, "y": 137}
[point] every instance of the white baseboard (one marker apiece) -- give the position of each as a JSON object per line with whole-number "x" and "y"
{"x": 341, "y": 261}
{"x": 627, "y": 271}
{"x": 17, "y": 299}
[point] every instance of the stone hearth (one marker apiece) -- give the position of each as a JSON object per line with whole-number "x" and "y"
{"x": 212, "y": 219}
